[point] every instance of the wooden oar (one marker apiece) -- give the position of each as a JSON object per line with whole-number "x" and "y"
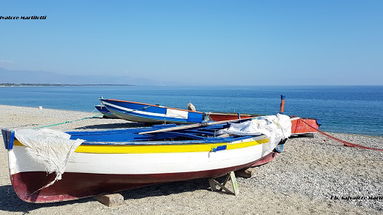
{"x": 196, "y": 125}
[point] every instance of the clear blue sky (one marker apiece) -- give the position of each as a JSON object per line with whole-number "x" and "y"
{"x": 200, "y": 42}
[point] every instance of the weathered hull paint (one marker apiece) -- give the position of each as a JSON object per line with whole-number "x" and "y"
{"x": 74, "y": 186}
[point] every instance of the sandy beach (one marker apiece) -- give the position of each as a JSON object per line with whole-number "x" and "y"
{"x": 314, "y": 175}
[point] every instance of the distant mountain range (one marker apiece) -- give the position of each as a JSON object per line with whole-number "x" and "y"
{"x": 38, "y": 77}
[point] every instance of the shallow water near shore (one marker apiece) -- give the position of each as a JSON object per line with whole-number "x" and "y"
{"x": 345, "y": 109}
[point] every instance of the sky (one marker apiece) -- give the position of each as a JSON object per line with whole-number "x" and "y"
{"x": 237, "y": 42}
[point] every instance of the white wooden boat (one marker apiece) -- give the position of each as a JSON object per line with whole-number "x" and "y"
{"x": 115, "y": 160}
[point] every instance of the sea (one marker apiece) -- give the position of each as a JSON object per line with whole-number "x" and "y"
{"x": 343, "y": 109}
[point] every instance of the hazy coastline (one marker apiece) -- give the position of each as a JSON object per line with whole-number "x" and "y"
{"x": 57, "y": 85}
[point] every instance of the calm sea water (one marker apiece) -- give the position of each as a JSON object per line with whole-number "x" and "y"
{"x": 351, "y": 109}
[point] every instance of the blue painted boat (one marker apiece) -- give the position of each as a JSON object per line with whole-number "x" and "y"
{"x": 105, "y": 112}
{"x": 148, "y": 113}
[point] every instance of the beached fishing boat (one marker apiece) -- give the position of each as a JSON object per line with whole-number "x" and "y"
{"x": 51, "y": 166}
{"x": 105, "y": 112}
{"x": 148, "y": 113}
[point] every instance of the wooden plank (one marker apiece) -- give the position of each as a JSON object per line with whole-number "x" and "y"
{"x": 110, "y": 200}
{"x": 234, "y": 183}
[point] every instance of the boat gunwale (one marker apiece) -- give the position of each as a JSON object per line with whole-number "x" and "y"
{"x": 167, "y": 143}
{"x": 175, "y": 143}
{"x": 153, "y": 149}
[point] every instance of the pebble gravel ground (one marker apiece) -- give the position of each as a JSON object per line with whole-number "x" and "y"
{"x": 313, "y": 176}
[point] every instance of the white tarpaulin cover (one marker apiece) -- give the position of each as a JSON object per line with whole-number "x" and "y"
{"x": 48, "y": 147}
{"x": 275, "y": 127}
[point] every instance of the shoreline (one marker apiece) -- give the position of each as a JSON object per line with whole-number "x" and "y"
{"x": 313, "y": 175}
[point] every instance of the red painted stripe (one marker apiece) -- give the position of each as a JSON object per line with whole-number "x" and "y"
{"x": 227, "y": 116}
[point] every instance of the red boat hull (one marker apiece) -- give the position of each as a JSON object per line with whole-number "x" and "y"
{"x": 304, "y": 126}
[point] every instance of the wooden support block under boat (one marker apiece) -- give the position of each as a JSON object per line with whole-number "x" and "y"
{"x": 110, "y": 200}
{"x": 245, "y": 173}
{"x": 217, "y": 186}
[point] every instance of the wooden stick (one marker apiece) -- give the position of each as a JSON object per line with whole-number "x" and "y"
{"x": 196, "y": 125}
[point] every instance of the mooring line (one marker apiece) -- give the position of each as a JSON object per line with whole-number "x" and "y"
{"x": 343, "y": 141}
{"x": 67, "y": 122}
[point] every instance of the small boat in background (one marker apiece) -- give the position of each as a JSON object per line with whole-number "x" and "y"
{"x": 148, "y": 113}
{"x": 51, "y": 166}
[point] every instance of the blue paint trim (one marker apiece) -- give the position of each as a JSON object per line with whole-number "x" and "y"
{"x": 219, "y": 148}
{"x": 137, "y": 106}
{"x": 186, "y": 134}
{"x": 195, "y": 117}
{"x": 8, "y": 137}
{"x": 102, "y": 109}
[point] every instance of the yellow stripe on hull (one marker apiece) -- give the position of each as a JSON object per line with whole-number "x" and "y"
{"x": 141, "y": 149}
